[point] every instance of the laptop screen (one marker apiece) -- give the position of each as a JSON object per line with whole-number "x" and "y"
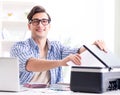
{"x": 9, "y": 74}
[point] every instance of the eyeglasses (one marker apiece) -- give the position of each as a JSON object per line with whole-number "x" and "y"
{"x": 36, "y": 22}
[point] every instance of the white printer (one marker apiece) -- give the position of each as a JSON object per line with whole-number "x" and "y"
{"x": 96, "y": 78}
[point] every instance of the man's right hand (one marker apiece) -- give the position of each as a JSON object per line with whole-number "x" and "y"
{"x": 75, "y": 58}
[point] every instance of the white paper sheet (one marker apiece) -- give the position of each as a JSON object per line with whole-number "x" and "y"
{"x": 87, "y": 59}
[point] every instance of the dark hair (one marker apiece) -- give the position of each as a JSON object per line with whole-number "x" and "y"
{"x": 37, "y": 9}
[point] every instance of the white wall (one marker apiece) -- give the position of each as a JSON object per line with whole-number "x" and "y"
{"x": 117, "y": 27}
{"x": 5, "y": 48}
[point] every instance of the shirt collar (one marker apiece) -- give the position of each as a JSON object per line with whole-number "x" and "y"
{"x": 34, "y": 45}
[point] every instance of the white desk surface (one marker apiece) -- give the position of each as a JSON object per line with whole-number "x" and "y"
{"x": 46, "y": 91}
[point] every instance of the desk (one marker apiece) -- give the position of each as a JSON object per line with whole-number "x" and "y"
{"x": 47, "y": 91}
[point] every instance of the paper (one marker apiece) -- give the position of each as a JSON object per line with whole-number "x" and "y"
{"x": 87, "y": 60}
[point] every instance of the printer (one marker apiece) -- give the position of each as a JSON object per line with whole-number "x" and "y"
{"x": 103, "y": 75}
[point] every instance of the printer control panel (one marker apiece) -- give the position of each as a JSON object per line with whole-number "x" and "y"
{"x": 114, "y": 85}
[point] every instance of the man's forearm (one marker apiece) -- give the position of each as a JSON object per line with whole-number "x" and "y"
{"x": 39, "y": 65}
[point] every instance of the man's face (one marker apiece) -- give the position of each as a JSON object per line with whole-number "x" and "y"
{"x": 39, "y": 25}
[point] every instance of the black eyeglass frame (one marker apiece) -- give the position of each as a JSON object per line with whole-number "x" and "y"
{"x": 36, "y": 22}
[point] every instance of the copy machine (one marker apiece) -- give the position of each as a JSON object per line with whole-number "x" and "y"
{"x": 103, "y": 75}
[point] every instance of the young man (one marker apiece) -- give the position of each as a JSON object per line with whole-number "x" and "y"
{"x": 41, "y": 59}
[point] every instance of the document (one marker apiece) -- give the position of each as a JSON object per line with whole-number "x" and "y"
{"x": 87, "y": 60}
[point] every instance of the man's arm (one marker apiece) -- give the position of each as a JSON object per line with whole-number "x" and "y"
{"x": 39, "y": 65}
{"x": 99, "y": 43}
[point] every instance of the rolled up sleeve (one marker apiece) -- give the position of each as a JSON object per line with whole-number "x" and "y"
{"x": 22, "y": 52}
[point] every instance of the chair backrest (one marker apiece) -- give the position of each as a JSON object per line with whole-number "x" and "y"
{"x": 5, "y": 48}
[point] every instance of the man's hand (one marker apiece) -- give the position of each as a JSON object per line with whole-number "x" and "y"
{"x": 101, "y": 45}
{"x": 75, "y": 58}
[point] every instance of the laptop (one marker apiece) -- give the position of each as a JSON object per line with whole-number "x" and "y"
{"x": 9, "y": 74}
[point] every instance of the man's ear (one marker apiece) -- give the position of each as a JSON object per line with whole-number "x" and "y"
{"x": 29, "y": 26}
{"x": 49, "y": 26}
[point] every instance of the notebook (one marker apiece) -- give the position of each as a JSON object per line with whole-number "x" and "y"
{"x": 9, "y": 75}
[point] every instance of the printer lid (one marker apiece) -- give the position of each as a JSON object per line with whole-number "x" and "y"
{"x": 108, "y": 60}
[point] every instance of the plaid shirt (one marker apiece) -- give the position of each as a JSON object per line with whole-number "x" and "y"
{"x": 24, "y": 50}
